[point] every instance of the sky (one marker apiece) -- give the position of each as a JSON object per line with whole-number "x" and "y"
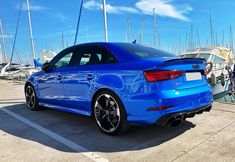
{"x": 180, "y": 23}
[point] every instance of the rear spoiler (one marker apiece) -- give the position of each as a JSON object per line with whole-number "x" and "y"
{"x": 185, "y": 60}
{"x": 178, "y": 59}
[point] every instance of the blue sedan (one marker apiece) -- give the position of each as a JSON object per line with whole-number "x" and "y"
{"x": 121, "y": 84}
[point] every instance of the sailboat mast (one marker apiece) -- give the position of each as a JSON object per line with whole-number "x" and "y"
{"x": 211, "y": 31}
{"x": 128, "y": 29}
{"x": 62, "y": 40}
{"x": 105, "y": 21}
{"x": 216, "y": 39}
{"x": 223, "y": 38}
{"x": 191, "y": 37}
{"x": 78, "y": 22}
{"x": 4, "y": 57}
{"x": 198, "y": 39}
{"x": 141, "y": 30}
{"x": 187, "y": 41}
{"x": 231, "y": 38}
{"x": 155, "y": 28}
{"x": 31, "y": 31}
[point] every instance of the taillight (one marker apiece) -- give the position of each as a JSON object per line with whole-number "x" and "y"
{"x": 160, "y": 75}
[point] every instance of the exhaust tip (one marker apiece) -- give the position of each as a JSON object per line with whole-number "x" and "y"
{"x": 176, "y": 122}
{"x": 200, "y": 112}
{"x": 190, "y": 115}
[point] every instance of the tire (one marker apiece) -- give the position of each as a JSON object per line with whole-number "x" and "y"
{"x": 109, "y": 113}
{"x": 31, "y": 98}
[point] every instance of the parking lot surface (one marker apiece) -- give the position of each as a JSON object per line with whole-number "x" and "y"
{"x": 51, "y": 135}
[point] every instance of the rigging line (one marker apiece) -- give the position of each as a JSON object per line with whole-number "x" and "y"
{"x": 14, "y": 42}
{"x": 78, "y": 22}
{"x": 17, "y": 53}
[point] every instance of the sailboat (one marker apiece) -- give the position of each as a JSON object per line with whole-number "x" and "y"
{"x": 221, "y": 62}
{"x": 10, "y": 70}
{"x": 45, "y": 56}
{"x": 219, "y": 59}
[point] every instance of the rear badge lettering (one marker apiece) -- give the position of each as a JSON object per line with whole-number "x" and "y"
{"x": 195, "y": 66}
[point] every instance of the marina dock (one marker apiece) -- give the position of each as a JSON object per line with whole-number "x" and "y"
{"x": 60, "y": 136}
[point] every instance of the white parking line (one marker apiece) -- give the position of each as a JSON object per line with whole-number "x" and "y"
{"x": 57, "y": 137}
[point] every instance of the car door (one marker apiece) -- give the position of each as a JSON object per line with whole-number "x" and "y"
{"x": 50, "y": 83}
{"x": 80, "y": 82}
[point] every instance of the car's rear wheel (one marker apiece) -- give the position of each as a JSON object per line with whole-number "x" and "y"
{"x": 31, "y": 98}
{"x": 110, "y": 114}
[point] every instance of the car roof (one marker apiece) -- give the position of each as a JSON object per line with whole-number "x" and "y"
{"x": 104, "y": 43}
{"x": 120, "y": 53}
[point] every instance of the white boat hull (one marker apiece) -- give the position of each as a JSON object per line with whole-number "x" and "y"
{"x": 219, "y": 89}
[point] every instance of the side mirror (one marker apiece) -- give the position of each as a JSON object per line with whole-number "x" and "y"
{"x": 45, "y": 66}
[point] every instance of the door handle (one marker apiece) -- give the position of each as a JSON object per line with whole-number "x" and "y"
{"x": 90, "y": 77}
{"x": 60, "y": 77}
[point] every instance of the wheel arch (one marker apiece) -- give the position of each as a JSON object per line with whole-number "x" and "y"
{"x": 26, "y": 84}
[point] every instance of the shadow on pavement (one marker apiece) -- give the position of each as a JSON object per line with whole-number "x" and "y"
{"x": 83, "y": 131}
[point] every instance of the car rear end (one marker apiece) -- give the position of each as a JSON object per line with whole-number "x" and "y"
{"x": 172, "y": 89}
{"x": 182, "y": 86}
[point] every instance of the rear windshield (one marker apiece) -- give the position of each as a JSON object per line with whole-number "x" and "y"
{"x": 189, "y": 56}
{"x": 144, "y": 51}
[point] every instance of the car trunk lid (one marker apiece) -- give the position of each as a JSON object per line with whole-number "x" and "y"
{"x": 192, "y": 73}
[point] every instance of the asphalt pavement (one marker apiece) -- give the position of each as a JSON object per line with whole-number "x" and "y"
{"x": 51, "y": 135}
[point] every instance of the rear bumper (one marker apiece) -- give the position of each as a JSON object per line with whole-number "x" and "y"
{"x": 168, "y": 118}
{"x": 181, "y": 100}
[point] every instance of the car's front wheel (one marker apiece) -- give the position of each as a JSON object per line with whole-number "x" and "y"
{"x": 31, "y": 98}
{"x": 110, "y": 114}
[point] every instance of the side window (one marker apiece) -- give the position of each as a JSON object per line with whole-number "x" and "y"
{"x": 95, "y": 55}
{"x": 85, "y": 59}
{"x": 64, "y": 61}
{"x": 107, "y": 58}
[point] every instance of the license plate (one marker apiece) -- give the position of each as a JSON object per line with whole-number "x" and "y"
{"x": 193, "y": 76}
